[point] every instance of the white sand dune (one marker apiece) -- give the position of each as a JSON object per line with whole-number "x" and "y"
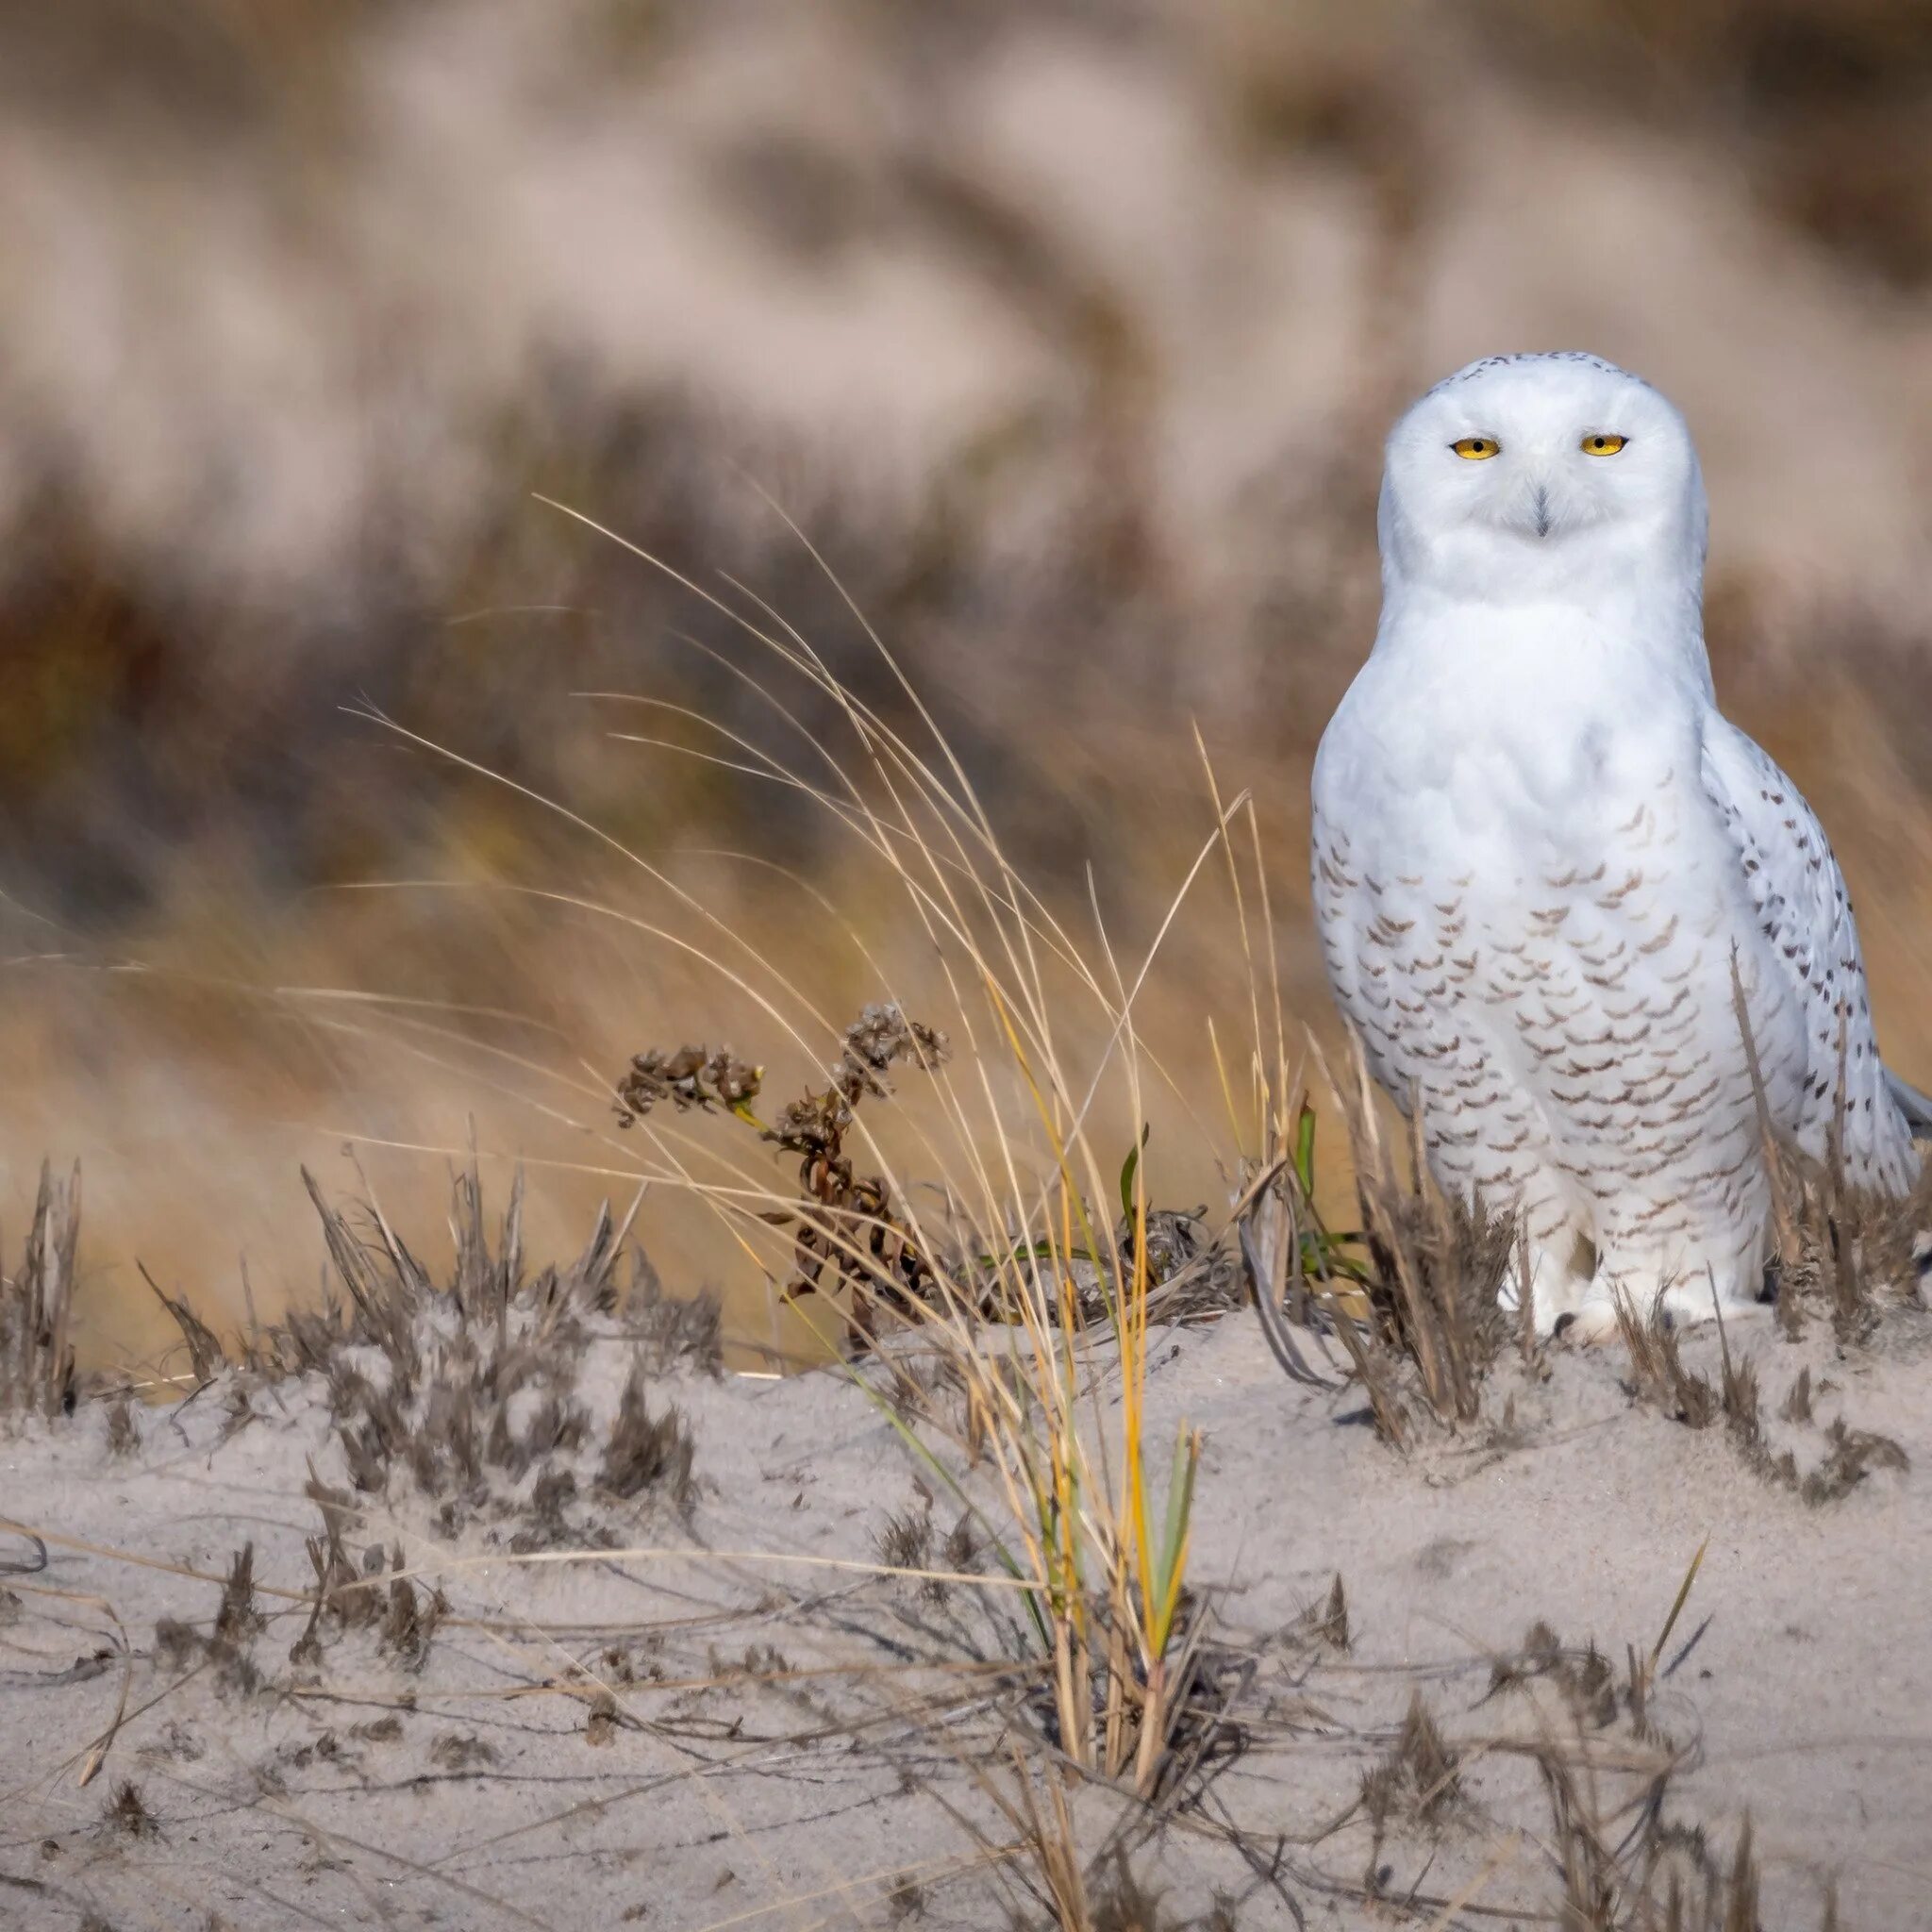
{"x": 736, "y": 1729}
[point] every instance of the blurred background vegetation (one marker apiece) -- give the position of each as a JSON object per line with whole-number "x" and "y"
{"x": 1067, "y": 331}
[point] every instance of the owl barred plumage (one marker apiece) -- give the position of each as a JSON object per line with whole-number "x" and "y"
{"x": 1545, "y": 866}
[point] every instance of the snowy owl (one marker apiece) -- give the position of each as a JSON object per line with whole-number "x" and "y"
{"x": 1540, "y": 854}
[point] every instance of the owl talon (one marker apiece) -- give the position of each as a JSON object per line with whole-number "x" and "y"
{"x": 1589, "y": 1327}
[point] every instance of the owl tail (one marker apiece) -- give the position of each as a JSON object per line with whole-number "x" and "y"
{"x": 1913, "y": 1104}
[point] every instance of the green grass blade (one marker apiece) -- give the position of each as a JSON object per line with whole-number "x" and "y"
{"x": 1170, "y": 1567}
{"x": 1128, "y": 1168}
{"x": 1305, "y": 1151}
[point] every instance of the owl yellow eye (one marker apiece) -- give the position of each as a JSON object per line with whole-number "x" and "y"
{"x": 1598, "y": 445}
{"x": 1477, "y": 449}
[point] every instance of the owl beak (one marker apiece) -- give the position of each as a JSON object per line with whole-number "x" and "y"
{"x": 1542, "y": 510}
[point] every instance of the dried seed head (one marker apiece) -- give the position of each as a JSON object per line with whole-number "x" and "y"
{"x": 814, "y": 1125}
{"x": 692, "y": 1077}
{"x": 883, "y": 1035}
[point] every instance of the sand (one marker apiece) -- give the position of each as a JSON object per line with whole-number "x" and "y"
{"x": 732, "y": 1730}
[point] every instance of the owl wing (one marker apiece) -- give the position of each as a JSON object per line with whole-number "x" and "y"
{"x": 1798, "y": 894}
{"x": 1342, "y": 908}
{"x": 1367, "y": 937}
{"x": 1345, "y": 908}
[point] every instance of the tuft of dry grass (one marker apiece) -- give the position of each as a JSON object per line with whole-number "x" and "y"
{"x": 1124, "y": 1902}
{"x": 127, "y": 1814}
{"x": 1585, "y": 1677}
{"x": 1438, "y": 1265}
{"x": 1327, "y": 1623}
{"x": 1857, "y": 1252}
{"x": 228, "y": 1646}
{"x": 236, "y": 1618}
{"x": 461, "y": 1751}
{"x": 410, "y": 1616}
{"x": 470, "y": 1386}
{"x": 1866, "y": 1248}
{"x": 1023, "y": 1296}
{"x": 1414, "y": 1297}
{"x": 339, "y": 1602}
{"x": 1850, "y": 1456}
{"x": 207, "y": 1357}
{"x": 1797, "y": 1402}
{"x": 1002, "y": 1315}
{"x": 1417, "y": 1781}
{"x": 647, "y": 1452}
{"x": 1619, "y": 1861}
{"x": 1659, "y": 1377}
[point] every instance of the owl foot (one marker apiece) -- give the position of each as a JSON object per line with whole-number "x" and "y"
{"x": 1560, "y": 1268}
{"x": 1685, "y": 1306}
{"x": 1589, "y": 1325}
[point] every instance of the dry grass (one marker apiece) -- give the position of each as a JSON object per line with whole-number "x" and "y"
{"x": 1070, "y": 1499}
{"x": 1848, "y": 1253}
{"x": 126, "y": 1815}
{"x": 1660, "y": 1378}
{"x": 476, "y": 1399}
{"x": 37, "y": 1371}
{"x": 1416, "y": 1782}
{"x": 1619, "y": 1861}
{"x": 645, "y": 1452}
{"x": 1657, "y": 1371}
{"x": 1017, "y": 1377}
{"x": 1412, "y": 1298}
{"x": 1000, "y": 1296}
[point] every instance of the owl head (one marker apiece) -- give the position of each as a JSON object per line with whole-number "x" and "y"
{"x": 1544, "y": 477}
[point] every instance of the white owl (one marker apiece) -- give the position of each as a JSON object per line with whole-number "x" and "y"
{"x": 1539, "y": 848}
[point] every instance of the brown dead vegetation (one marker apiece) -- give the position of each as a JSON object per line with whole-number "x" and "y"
{"x": 37, "y": 1371}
